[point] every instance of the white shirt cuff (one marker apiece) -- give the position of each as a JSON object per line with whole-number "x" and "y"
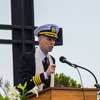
{"x": 45, "y": 75}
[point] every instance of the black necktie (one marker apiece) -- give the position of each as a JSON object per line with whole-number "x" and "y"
{"x": 45, "y": 63}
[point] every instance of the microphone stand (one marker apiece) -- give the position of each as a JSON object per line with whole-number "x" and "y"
{"x": 63, "y": 60}
{"x": 97, "y": 84}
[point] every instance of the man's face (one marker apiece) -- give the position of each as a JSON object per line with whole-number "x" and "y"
{"x": 46, "y": 43}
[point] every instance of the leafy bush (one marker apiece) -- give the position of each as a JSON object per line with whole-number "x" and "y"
{"x": 61, "y": 80}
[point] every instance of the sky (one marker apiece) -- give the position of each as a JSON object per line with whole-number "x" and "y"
{"x": 80, "y": 20}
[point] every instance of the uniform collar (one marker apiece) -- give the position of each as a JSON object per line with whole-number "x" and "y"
{"x": 41, "y": 53}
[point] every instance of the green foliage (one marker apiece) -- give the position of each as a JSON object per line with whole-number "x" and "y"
{"x": 3, "y": 98}
{"x": 61, "y": 80}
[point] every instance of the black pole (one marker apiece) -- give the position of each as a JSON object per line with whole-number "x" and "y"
{"x": 22, "y": 12}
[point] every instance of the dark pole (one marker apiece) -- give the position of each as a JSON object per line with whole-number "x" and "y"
{"x": 23, "y": 16}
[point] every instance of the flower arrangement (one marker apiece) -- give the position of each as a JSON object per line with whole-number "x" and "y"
{"x": 9, "y": 92}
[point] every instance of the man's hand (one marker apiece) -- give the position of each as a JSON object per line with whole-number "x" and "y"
{"x": 51, "y": 69}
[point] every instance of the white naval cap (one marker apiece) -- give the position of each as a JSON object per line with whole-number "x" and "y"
{"x": 50, "y": 30}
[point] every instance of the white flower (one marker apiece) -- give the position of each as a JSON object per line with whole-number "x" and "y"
{"x": 13, "y": 93}
{"x": 34, "y": 91}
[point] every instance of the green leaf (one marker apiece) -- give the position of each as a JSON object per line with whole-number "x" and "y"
{"x": 22, "y": 87}
{"x": 3, "y": 98}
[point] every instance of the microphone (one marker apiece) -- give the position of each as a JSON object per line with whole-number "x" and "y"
{"x": 64, "y": 60}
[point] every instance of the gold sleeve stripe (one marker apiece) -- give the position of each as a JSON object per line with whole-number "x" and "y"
{"x": 34, "y": 80}
{"x": 37, "y": 80}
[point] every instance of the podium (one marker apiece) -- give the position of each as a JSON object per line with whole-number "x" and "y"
{"x": 66, "y": 94}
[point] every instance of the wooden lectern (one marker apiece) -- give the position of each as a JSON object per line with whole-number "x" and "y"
{"x": 66, "y": 94}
